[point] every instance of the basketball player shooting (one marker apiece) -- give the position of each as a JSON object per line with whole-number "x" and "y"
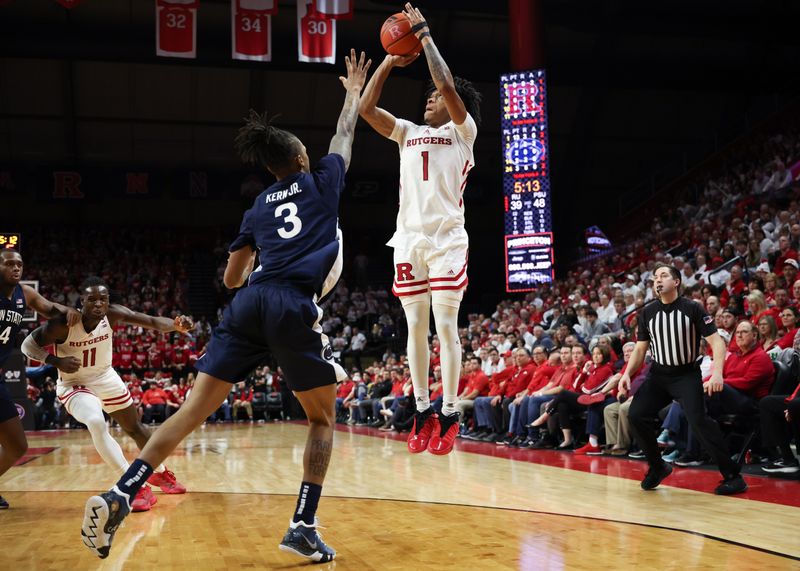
{"x": 430, "y": 242}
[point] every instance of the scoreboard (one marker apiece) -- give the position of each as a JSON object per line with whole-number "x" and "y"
{"x": 526, "y": 182}
{"x": 10, "y": 240}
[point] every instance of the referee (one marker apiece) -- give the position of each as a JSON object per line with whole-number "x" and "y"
{"x": 671, "y": 328}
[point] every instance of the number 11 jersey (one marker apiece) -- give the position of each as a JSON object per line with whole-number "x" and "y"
{"x": 93, "y": 349}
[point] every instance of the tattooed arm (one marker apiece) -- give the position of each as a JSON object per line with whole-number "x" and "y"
{"x": 440, "y": 73}
{"x": 342, "y": 141}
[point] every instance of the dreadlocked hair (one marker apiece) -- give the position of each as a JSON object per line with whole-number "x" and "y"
{"x": 259, "y": 143}
{"x": 469, "y": 95}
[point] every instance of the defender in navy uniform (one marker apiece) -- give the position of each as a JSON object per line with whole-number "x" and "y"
{"x": 15, "y": 299}
{"x": 292, "y": 229}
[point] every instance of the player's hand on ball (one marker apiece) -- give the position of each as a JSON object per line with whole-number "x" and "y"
{"x": 400, "y": 61}
{"x": 183, "y": 323}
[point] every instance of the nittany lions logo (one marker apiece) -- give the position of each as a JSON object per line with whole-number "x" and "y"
{"x": 525, "y": 152}
{"x": 20, "y": 410}
{"x": 327, "y": 352}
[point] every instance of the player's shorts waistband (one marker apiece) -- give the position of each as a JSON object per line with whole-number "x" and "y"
{"x": 285, "y": 284}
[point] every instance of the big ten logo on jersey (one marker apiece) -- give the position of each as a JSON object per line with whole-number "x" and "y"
{"x": 13, "y": 376}
{"x": 404, "y": 272}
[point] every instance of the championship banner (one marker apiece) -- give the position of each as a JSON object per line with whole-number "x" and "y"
{"x": 251, "y": 37}
{"x": 316, "y": 34}
{"x": 335, "y": 9}
{"x": 176, "y": 28}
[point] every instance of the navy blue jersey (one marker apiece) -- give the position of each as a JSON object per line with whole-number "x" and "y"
{"x": 294, "y": 226}
{"x": 11, "y": 312}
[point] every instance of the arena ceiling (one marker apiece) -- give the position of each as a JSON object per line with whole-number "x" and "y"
{"x": 636, "y": 90}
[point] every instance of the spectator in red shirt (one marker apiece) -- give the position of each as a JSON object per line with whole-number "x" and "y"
{"x": 180, "y": 362}
{"x": 593, "y": 379}
{"x": 174, "y": 400}
{"x": 343, "y": 390}
{"x": 243, "y": 398}
{"x": 154, "y": 358}
{"x": 519, "y": 408}
{"x": 477, "y": 386}
{"x": 498, "y": 405}
{"x": 789, "y": 327}
{"x": 785, "y": 253}
{"x": 482, "y": 417}
{"x": 154, "y": 400}
{"x": 139, "y": 363}
{"x": 734, "y": 286}
{"x": 125, "y": 359}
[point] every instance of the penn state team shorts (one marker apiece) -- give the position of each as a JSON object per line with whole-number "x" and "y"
{"x": 277, "y": 320}
{"x": 7, "y": 407}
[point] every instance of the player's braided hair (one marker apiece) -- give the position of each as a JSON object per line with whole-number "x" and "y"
{"x": 469, "y": 95}
{"x": 259, "y": 143}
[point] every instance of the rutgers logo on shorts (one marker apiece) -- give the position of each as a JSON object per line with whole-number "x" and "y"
{"x": 327, "y": 352}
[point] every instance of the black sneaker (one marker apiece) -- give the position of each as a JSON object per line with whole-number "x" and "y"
{"x": 686, "y": 459}
{"x": 3, "y": 504}
{"x": 516, "y": 442}
{"x": 304, "y": 540}
{"x": 545, "y": 443}
{"x": 733, "y": 485}
{"x": 637, "y": 455}
{"x": 656, "y": 475}
{"x": 779, "y": 467}
{"x": 102, "y": 517}
{"x": 527, "y": 443}
{"x": 505, "y": 441}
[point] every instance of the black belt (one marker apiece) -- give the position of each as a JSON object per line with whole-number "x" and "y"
{"x": 675, "y": 369}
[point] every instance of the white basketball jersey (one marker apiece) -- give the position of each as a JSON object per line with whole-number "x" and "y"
{"x": 94, "y": 350}
{"x": 434, "y": 164}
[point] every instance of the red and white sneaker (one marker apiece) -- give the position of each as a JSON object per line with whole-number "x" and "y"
{"x": 589, "y": 450}
{"x": 144, "y": 500}
{"x": 167, "y": 482}
{"x": 420, "y": 435}
{"x": 444, "y": 434}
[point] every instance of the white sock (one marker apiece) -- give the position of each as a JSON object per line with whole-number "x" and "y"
{"x": 593, "y": 440}
{"x": 418, "y": 318}
{"x": 160, "y": 468}
{"x": 87, "y": 410}
{"x": 446, "y": 317}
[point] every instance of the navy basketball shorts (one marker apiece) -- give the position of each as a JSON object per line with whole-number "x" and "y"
{"x": 7, "y": 407}
{"x": 268, "y": 319}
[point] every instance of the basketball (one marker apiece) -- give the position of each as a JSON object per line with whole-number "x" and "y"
{"x": 397, "y": 37}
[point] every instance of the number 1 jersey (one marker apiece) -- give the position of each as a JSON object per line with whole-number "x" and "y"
{"x": 434, "y": 164}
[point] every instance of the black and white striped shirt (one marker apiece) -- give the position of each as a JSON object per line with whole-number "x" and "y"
{"x": 674, "y": 331}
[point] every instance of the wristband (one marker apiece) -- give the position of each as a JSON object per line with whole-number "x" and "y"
{"x": 424, "y": 35}
{"x": 418, "y": 26}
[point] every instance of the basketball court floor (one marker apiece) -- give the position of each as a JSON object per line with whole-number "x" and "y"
{"x": 482, "y": 507}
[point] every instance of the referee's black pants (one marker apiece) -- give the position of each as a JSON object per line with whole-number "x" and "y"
{"x": 683, "y": 384}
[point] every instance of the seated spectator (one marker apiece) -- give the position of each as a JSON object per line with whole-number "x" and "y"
{"x": 541, "y": 338}
{"x": 595, "y": 376}
{"x": 174, "y": 400}
{"x": 788, "y": 327}
{"x": 154, "y": 400}
{"x": 477, "y": 386}
{"x": 483, "y": 421}
{"x": 343, "y": 390}
{"x": 593, "y": 328}
{"x": 618, "y": 428}
{"x": 497, "y": 407}
{"x": 767, "y": 332}
{"x": 242, "y": 399}
{"x": 780, "y": 418}
{"x": 518, "y": 431}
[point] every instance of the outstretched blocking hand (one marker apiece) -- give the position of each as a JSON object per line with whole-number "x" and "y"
{"x": 356, "y": 71}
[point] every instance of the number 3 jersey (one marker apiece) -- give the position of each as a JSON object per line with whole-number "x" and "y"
{"x": 93, "y": 349}
{"x": 294, "y": 227}
{"x": 434, "y": 164}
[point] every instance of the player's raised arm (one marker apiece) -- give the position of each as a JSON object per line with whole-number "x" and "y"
{"x": 54, "y": 331}
{"x": 49, "y": 309}
{"x": 440, "y": 73}
{"x": 342, "y": 141}
{"x": 121, "y": 314}
{"x": 380, "y": 119}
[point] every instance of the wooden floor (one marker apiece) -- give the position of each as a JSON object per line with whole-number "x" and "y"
{"x": 383, "y": 509}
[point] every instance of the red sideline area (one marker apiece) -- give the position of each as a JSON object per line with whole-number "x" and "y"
{"x": 762, "y": 489}
{"x": 33, "y": 454}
